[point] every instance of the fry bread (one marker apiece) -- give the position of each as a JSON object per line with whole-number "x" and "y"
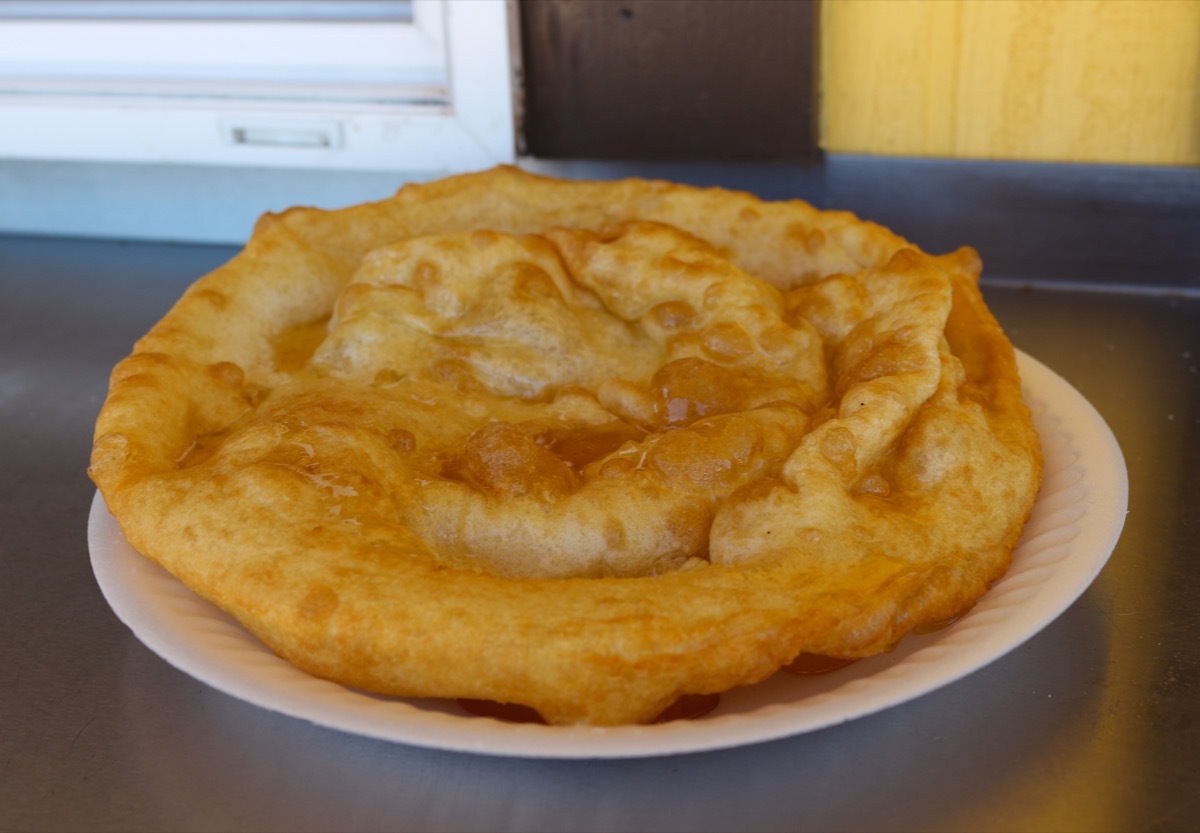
{"x": 586, "y": 447}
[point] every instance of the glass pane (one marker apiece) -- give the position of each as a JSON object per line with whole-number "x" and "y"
{"x": 303, "y": 10}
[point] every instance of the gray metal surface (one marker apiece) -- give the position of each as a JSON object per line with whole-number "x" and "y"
{"x": 1092, "y": 725}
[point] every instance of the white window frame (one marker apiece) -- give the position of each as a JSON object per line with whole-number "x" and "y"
{"x": 432, "y": 95}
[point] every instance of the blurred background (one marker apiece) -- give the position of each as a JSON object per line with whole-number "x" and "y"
{"x": 184, "y": 120}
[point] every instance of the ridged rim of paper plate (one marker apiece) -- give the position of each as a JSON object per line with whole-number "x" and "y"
{"x": 1070, "y": 535}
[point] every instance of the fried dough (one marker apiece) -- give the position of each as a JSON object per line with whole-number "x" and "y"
{"x": 586, "y": 447}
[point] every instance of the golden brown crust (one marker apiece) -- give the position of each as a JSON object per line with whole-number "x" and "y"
{"x": 582, "y": 446}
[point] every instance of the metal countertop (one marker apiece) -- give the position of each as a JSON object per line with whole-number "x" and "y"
{"x": 1094, "y": 724}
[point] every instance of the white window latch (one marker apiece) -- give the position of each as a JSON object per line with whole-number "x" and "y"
{"x": 302, "y": 135}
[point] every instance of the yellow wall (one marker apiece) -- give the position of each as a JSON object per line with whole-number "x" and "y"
{"x": 1054, "y": 80}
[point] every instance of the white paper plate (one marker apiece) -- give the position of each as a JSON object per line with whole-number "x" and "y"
{"x": 1074, "y": 528}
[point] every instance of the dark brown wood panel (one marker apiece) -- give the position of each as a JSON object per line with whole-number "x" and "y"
{"x": 688, "y": 80}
